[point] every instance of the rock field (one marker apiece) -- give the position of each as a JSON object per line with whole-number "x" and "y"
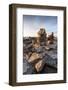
{"x": 39, "y": 57}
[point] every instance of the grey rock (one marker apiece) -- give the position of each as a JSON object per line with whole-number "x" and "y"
{"x": 39, "y": 49}
{"x": 27, "y": 68}
{"x": 50, "y": 61}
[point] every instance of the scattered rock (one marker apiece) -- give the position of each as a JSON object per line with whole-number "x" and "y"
{"x": 47, "y": 48}
{"x": 28, "y": 55}
{"x": 27, "y": 67}
{"x": 27, "y": 48}
{"x": 39, "y": 52}
{"x": 39, "y": 49}
{"x": 36, "y": 45}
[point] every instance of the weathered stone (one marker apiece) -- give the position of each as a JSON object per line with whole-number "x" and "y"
{"x": 34, "y": 58}
{"x": 36, "y": 45}
{"x": 39, "y": 65}
{"x": 27, "y": 48}
{"x": 28, "y": 55}
{"x": 39, "y": 49}
{"x": 27, "y": 67}
{"x": 50, "y": 42}
{"x": 53, "y": 46}
{"x": 27, "y": 41}
{"x": 47, "y": 48}
{"x": 50, "y": 60}
{"x": 34, "y": 40}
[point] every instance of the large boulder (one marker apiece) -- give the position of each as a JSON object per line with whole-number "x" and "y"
{"x": 35, "y": 57}
{"x": 39, "y": 65}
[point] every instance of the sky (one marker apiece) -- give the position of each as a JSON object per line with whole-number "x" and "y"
{"x": 33, "y": 23}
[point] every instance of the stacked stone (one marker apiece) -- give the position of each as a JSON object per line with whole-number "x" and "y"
{"x": 51, "y": 38}
{"x": 41, "y": 36}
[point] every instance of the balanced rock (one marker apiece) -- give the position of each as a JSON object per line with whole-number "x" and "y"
{"x": 39, "y": 65}
{"x": 34, "y": 58}
{"x": 41, "y": 36}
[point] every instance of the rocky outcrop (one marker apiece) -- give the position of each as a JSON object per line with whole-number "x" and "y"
{"x": 39, "y": 55}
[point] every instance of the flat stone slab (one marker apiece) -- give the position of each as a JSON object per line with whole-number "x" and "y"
{"x": 35, "y": 57}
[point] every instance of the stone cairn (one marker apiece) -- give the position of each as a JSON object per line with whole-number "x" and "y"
{"x": 51, "y": 38}
{"x": 40, "y": 39}
{"x": 36, "y": 59}
{"x": 41, "y": 36}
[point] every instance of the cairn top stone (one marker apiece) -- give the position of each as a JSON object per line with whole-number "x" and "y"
{"x": 42, "y": 31}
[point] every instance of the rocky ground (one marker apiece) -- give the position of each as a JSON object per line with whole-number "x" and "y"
{"x": 38, "y": 60}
